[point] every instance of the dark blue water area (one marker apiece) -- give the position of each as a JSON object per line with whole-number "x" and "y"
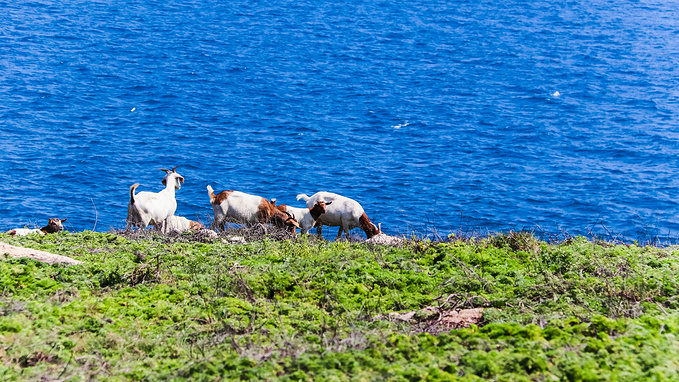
{"x": 436, "y": 116}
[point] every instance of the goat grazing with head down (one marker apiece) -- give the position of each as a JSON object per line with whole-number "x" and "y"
{"x": 154, "y": 208}
{"x": 53, "y": 226}
{"x": 306, "y": 217}
{"x": 344, "y": 212}
{"x": 247, "y": 209}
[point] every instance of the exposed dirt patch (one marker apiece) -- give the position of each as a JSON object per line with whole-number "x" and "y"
{"x": 433, "y": 320}
{"x": 453, "y": 319}
{"x": 33, "y": 359}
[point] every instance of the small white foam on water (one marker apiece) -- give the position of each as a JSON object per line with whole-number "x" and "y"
{"x": 404, "y": 124}
{"x": 133, "y": 109}
{"x": 555, "y": 94}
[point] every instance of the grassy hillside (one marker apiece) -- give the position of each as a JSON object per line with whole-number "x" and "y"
{"x": 159, "y": 308}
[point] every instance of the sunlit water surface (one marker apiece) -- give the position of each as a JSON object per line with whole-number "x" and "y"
{"x": 437, "y": 117}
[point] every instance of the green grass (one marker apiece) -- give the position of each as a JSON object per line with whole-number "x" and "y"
{"x": 160, "y": 308}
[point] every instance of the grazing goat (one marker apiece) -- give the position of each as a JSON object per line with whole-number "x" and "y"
{"x": 248, "y": 209}
{"x": 53, "y": 226}
{"x": 344, "y": 212}
{"x": 305, "y": 217}
{"x": 154, "y": 208}
{"x": 181, "y": 224}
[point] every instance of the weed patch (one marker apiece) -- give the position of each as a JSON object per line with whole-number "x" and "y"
{"x": 152, "y": 307}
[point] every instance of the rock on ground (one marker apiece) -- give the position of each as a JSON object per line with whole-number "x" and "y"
{"x": 50, "y": 258}
{"x": 383, "y": 238}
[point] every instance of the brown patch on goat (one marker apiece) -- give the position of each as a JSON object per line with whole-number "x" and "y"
{"x": 267, "y": 213}
{"x": 318, "y": 209}
{"x": 367, "y": 226}
{"x": 281, "y": 207}
{"x": 195, "y": 225}
{"x": 12, "y": 232}
{"x": 291, "y": 223}
{"x": 264, "y": 211}
{"x": 286, "y": 221}
{"x": 221, "y": 197}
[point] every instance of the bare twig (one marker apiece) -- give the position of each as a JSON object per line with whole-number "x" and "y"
{"x": 96, "y": 215}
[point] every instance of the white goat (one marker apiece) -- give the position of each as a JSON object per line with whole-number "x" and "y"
{"x": 248, "y": 209}
{"x": 53, "y": 226}
{"x": 181, "y": 224}
{"x": 344, "y": 212}
{"x": 154, "y": 208}
{"x": 305, "y": 217}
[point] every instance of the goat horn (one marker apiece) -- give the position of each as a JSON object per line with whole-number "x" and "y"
{"x": 174, "y": 168}
{"x": 167, "y": 171}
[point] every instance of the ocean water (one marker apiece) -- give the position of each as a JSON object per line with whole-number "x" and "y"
{"x": 437, "y": 117}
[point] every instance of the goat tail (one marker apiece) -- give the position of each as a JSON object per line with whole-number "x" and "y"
{"x": 211, "y": 192}
{"x": 303, "y": 196}
{"x": 132, "y": 189}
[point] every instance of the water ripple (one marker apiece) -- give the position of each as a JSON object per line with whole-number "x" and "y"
{"x": 483, "y": 116}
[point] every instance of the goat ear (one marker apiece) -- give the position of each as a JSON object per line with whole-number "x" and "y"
{"x": 63, "y": 220}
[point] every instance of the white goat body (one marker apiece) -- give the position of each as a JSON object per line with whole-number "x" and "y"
{"x": 24, "y": 231}
{"x": 246, "y": 208}
{"x": 154, "y": 208}
{"x": 344, "y": 212}
{"x": 181, "y": 224}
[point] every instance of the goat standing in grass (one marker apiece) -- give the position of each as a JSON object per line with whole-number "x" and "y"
{"x": 154, "y": 208}
{"x": 344, "y": 212}
{"x": 247, "y": 209}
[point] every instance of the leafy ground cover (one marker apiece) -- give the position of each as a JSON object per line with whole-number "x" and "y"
{"x": 160, "y": 308}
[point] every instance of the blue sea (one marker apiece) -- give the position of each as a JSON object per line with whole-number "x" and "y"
{"x": 438, "y": 117}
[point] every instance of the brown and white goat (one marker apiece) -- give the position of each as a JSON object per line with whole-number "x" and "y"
{"x": 248, "y": 209}
{"x": 344, "y": 212}
{"x": 181, "y": 224}
{"x": 306, "y": 217}
{"x": 54, "y": 225}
